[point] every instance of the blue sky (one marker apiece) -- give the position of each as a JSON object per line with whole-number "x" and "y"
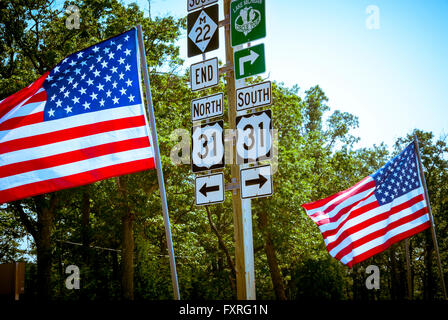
{"x": 394, "y": 78}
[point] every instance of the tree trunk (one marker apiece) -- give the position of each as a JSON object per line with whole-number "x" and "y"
{"x": 127, "y": 253}
{"x": 429, "y": 281}
{"x": 45, "y": 220}
{"x": 277, "y": 280}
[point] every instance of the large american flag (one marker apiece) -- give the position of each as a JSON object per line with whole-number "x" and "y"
{"x": 81, "y": 122}
{"x": 383, "y": 208}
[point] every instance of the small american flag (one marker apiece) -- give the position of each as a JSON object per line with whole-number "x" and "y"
{"x": 81, "y": 122}
{"x": 383, "y": 208}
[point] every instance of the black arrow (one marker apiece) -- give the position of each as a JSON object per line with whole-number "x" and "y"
{"x": 204, "y": 189}
{"x": 261, "y": 181}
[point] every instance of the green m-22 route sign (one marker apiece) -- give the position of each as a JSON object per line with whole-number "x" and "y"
{"x": 249, "y": 61}
{"x": 248, "y": 21}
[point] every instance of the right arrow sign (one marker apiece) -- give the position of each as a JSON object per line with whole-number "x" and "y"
{"x": 256, "y": 182}
{"x": 249, "y": 61}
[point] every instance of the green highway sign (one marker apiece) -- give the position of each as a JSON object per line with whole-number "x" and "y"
{"x": 249, "y": 61}
{"x": 247, "y": 21}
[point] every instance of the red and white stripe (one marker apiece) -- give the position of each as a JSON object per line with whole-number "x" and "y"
{"x": 355, "y": 226}
{"x": 37, "y": 157}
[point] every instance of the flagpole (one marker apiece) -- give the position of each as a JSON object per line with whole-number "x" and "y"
{"x": 433, "y": 230}
{"x": 158, "y": 162}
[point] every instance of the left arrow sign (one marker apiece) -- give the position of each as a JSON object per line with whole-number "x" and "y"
{"x": 204, "y": 190}
{"x": 209, "y": 189}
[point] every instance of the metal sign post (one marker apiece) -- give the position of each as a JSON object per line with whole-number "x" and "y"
{"x": 242, "y": 213}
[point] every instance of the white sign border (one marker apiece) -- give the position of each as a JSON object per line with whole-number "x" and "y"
{"x": 258, "y": 196}
{"x": 203, "y": 62}
{"x": 253, "y": 85}
{"x": 209, "y": 117}
{"x": 223, "y": 189}
{"x": 200, "y": 6}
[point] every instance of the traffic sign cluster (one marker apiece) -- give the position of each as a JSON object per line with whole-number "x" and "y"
{"x": 254, "y": 139}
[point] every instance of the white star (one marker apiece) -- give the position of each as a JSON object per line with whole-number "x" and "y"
{"x": 100, "y": 87}
{"x": 62, "y": 89}
{"x": 58, "y": 103}
{"x": 96, "y": 49}
{"x": 121, "y": 60}
{"x": 49, "y": 78}
{"x": 68, "y": 109}
{"x": 96, "y": 73}
{"x": 129, "y": 82}
{"x": 107, "y": 78}
{"x": 127, "y": 67}
{"x": 82, "y": 91}
{"x": 56, "y": 69}
{"x": 86, "y": 105}
{"x": 113, "y": 69}
{"x": 102, "y": 103}
{"x": 114, "y": 85}
{"x": 75, "y": 100}
{"x": 99, "y": 58}
{"x": 75, "y": 85}
{"x": 91, "y": 67}
{"x": 123, "y": 91}
{"x": 83, "y": 76}
{"x": 106, "y": 50}
{"x": 115, "y": 99}
{"x": 66, "y": 93}
{"x": 126, "y": 38}
{"x": 104, "y": 64}
{"x": 77, "y": 71}
{"x": 80, "y": 54}
{"x": 108, "y": 93}
{"x": 72, "y": 63}
{"x": 93, "y": 96}
{"x": 70, "y": 80}
{"x": 119, "y": 46}
{"x": 53, "y": 97}
{"x": 51, "y": 113}
{"x": 127, "y": 52}
{"x": 90, "y": 82}
{"x": 65, "y": 60}
{"x": 111, "y": 55}
{"x": 83, "y": 62}
{"x": 121, "y": 75}
{"x": 131, "y": 98}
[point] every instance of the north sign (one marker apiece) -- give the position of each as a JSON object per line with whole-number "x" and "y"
{"x": 209, "y": 189}
{"x": 204, "y": 74}
{"x": 256, "y": 95}
{"x": 254, "y": 137}
{"x": 202, "y": 31}
{"x": 256, "y": 182}
{"x": 207, "y": 107}
{"x": 207, "y": 146}
{"x": 249, "y": 61}
{"x": 247, "y": 21}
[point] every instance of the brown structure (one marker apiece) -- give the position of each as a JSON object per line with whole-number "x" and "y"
{"x": 12, "y": 279}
